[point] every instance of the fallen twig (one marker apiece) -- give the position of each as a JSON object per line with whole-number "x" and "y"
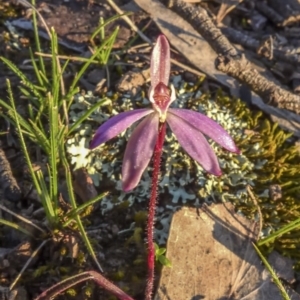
{"x": 129, "y": 22}
{"x": 34, "y": 253}
{"x": 199, "y": 19}
{"x": 232, "y": 63}
{"x": 270, "y": 13}
{"x": 270, "y": 92}
{"x": 286, "y": 54}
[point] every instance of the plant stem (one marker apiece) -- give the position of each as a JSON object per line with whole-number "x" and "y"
{"x": 152, "y": 206}
{"x": 69, "y": 282}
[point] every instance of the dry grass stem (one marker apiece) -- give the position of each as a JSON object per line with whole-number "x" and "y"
{"x": 35, "y": 252}
{"x": 129, "y": 22}
{"x": 22, "y": 219}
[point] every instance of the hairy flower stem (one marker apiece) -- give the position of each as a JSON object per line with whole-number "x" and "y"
{"x": 152, "y": 205}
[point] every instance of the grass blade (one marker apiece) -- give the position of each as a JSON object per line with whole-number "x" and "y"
{"x": 36, "y": 69}
{"x": 281, "y": 288}
{"x": 46, "y": 199}
{"x": 86, "y": 115}
{"x": 55, "y": 68}
{"x": 287, "y": 228}
{"x": 87, "y": 64}
{"x": 22, "y": 141}
{"x": 53, "y": 158}
{"x": 37, "y": 38}
{"x": 74, "y": 206}
{"x": 32, "y": 130}
{"x": 102, "y": 25}
{"x": 15, "y": 226}
{"x": 22, "y": 76}
{"x": 42, "y": 140}
{"x": 77, "y": 210}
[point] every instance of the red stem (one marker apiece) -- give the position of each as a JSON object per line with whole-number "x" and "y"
{"x": 152, "y": 205}
{"x": 65, "y": 284}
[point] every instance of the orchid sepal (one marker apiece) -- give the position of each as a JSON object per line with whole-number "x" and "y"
{"x": 194, "y": 143}
{"x": 139, "y": 151}
{"x": 207, "y": 126}
{"x": 116, "y": 125}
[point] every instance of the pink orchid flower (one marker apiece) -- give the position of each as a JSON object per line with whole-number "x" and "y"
{"x": 188, "y": 126}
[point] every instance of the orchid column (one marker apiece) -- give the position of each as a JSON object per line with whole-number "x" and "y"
{"x": 148, "y": 137}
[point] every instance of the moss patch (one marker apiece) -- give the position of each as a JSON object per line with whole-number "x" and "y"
{"x": 269, "y": 159}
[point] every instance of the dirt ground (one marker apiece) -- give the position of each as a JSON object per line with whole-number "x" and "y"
{"x": 122, "y": 256}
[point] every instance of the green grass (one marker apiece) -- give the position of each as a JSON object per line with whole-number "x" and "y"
{"x": 273, "y": 274}
{"x": 46, "y": 124}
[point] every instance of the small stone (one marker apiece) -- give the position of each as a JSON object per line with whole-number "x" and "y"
{"x": 96, "y": 75}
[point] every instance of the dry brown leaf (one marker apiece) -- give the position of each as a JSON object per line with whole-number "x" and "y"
{"x": 83, "y": 185}
{"x": 213, "y": 258}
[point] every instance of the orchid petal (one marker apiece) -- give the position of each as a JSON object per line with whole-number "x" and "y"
{"x": 194, "y": 143}
{"x": 116, "y": 125}
{"x": 160, "y": 62}
{"x": 207, "y": 126}
{"x": 139, "y": 151}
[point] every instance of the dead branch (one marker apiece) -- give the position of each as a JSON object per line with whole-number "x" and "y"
{"x": 199, "y": 19}
{"x": 241, "y": 38}
{"x": 260, "y": 46}
{"x": 272, "y": 93}
{"x": 232, "y": 63}
{"x": 270, "y": 13}
{"x": 287, "y": 9}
